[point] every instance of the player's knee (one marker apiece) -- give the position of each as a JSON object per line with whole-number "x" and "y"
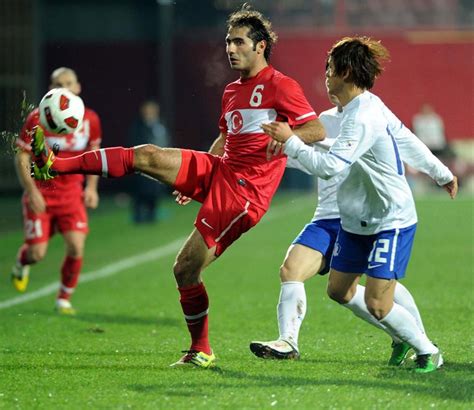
{"x": 147, "y": 155}
{"x": 75, "y": 250}
{"x": 287, "y": 273}
{"x": 36, "y": 254}
{"x": 377, "y": 308}
{"x": 185, "y": 271}
{"x": 338, "y": 295}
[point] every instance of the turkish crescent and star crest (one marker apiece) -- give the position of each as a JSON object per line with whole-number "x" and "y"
{"x": 236, "y": 122}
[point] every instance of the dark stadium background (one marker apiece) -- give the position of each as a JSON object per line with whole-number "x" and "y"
{"x": 125, "y": 51}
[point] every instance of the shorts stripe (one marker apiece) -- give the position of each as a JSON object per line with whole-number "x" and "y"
{"x": 198, "y": 316}
{"x": 105, "y": 167}
{"x": 245, "y": 212}
{"x": 394, "y": 249}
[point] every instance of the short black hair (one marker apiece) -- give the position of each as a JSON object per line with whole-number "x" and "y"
{"x": 358, "y": 58}
{"x": 260, "y": 28}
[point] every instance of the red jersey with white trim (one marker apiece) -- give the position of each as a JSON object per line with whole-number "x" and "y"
{"x": 88, "y": 135}
{"x": 248, "y": 103}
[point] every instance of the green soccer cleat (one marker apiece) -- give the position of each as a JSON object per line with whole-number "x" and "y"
{"x": 426, "y": 363}
{"x": 276, "y": 349}
{"x": 43, "y": 157}
{"x": 399, "y": 353}
{"x": 20, "y": 277}
{"x": 195, "y": 358}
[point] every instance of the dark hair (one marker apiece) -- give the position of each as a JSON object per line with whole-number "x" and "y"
{"x": 260, "y": 28}
{"x": 360, "y": 58}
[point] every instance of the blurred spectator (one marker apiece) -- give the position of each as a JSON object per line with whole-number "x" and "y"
{"x": 146, "y": 193}
{"x": 429, "y": 127}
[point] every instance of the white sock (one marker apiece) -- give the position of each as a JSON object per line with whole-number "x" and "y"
{"x": 401, "y": 323}
{"x": 359, "y": 308}
{"x": 291, "y": 310}
{"x": 403, "y": 297}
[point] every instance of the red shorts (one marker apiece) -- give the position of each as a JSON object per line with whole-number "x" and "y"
{"x": 227, "y": 210}
{"x": 62, "y": 217}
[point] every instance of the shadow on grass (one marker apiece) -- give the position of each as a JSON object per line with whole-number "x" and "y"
{"x": 441, "y": 384}
{"x": 120, "y": 319}
{"x": 98, "y": 318}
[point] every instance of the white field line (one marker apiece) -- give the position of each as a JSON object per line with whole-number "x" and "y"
{"x": 139, "y": 259}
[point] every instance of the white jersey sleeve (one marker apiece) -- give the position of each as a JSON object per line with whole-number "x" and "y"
{"x": 413, "y": 151}
{"x": 355, "y": 139}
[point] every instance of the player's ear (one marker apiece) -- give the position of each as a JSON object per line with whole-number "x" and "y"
{"x": 79, "y": 88}
{"x": 261, "y": 46}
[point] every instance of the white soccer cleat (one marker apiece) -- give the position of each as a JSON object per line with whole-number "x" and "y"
{"x": 276, "y": 349}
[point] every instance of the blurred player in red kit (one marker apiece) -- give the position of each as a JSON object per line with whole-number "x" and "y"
{"x": 234, "y": 181}
{"x": 59, "y": 204}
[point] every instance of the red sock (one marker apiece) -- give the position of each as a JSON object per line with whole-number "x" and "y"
{"x": 109, "y": 162}
{"x": 195, "y": 304}
{"x": 22, "y": 256}
{"x": 69, "y": 276}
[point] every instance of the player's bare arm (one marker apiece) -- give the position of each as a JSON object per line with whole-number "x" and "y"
{"x": 309, "y": 132}
{"x": 91, "y": 194}
{"x": 217, "y": 147}
{"x": 36, "y": 201}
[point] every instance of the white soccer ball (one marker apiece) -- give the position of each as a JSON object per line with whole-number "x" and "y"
{"x": 61, "y": 111}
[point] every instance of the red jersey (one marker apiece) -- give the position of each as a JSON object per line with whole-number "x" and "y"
{"x": 89, "y": 134}
{"x": 248, "y": 103}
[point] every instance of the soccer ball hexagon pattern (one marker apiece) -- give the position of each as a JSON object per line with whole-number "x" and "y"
{"x": 61, "y": 111}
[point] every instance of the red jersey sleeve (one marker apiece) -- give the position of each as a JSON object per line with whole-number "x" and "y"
{"x": 24, "y": 139}
{"x": 95, "y": 136}
{"x": 292, "y": 104}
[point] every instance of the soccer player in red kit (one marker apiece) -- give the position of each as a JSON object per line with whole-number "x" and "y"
{"x": 234, "y": 181}
{"x": 59, "y": 204}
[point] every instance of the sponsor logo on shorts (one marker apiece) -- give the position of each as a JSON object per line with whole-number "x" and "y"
{"x": 81, "y": 225}
{"x": 337, "y": 249}
{"x": 375, "y": 266}
{"x": 203, "y": 220}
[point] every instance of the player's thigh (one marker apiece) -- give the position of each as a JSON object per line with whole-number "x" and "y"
{"x": 342, "y": 285}
{"x": 379, "y": 295}
{"x": 301, "y": 263}
{"x": 160, "y": 163}
{"x": 36, "y": 227}
{"x": 193, "y": 257}
{"x": 75, "y": 241}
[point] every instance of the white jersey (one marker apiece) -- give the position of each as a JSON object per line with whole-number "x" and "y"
{"x": 375, "y": 195}
{"x": 327, "y": 199}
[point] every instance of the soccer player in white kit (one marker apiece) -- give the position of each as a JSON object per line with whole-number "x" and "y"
{"x": 377, "y": 210}
{"x": 310, "y": 253}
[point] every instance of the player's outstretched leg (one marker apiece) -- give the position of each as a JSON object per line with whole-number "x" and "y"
{"x": 109, "y": 162}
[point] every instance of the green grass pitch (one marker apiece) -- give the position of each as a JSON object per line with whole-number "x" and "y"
{"x": 116, "y": 352}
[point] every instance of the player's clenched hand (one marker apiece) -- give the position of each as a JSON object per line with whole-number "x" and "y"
{"x": 452, "y": 187}
{"x": 36, "y": 202}
{"x": 279, "y": 131}
{"x": 181, "y": 199}
{"x": 91, "y": 198}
